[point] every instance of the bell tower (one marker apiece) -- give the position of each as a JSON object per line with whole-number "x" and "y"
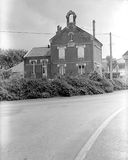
{"x": 71, "y": 18}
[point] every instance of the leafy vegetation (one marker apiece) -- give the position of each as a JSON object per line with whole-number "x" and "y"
{"x": 20, "y": 88}
{"x": 11, "y": 57}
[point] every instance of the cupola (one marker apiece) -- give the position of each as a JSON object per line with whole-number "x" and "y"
{"x": 71, "y": 18}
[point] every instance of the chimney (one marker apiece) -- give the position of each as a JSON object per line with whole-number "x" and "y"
{"x": 94, "y": 28}
{"x": 58, "y": 29}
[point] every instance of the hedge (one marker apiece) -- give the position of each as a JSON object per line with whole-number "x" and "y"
{"x": 20, "y": 88}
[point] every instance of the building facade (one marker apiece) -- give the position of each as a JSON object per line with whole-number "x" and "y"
{"x": 72, "y": 51}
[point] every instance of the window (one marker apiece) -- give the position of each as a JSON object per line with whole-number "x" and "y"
{"x": 80, "y": 50}
{"x": 44, "y": 62}
{"x": 33, "y": 63}
{"x": 62, "y": 69}
{"x": 71, "y": 18}
{"x": 61, "y": 52}
{"x": 70, "y": 34}
{"x": 81, "y": 68}
{"x": 44, "y": 71}
{"x": 44, "y": 67}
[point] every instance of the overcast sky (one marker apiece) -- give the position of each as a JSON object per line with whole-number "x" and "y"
{"x": 44, "y": 15}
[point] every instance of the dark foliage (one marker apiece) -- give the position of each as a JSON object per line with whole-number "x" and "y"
{"x": 20, "y": 88}
{"x": 11, "y": 57}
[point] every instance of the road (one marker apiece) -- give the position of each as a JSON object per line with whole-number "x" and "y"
{"x": 75, "y": 128}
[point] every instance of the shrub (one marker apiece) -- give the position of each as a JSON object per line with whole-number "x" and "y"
{"x": 13, "y": 86}
{"x": 31, "y": 89}
{"x": 63, "y": 88}
{"x": 120, "y": 83}
{"x": 84, "y": 85}
{"x": 106, "y": 85}
{"x": 46, "y": 95}
{"x": 4, "y": 95}
{"x": 115, "y": 86}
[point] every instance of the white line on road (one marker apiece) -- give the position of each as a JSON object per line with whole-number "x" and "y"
{"x": 85, "y": 149}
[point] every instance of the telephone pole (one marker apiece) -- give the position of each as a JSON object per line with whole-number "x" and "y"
{"x": 111, "y": 75}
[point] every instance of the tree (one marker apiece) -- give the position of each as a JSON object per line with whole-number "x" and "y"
{"x": 11, "y": 57}
{"x": 114, "y": 62}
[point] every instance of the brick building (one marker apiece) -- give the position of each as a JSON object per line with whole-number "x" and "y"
{"x": 72, "y": 51}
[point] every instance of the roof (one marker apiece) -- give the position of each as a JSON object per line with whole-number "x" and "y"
{"x": 125, "y": 56}
{"x": 79, "y": 29}
{"x": 19, "y": 68}
{"x": 38, "y": 51}
{"x": 126, "y": 53}
{"x": 121, "y": 60}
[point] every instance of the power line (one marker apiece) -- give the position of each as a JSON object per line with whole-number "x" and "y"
{"x": 21, "y": 32}
{"x": 100, "y": 34}
{"x": 122, "y": 37}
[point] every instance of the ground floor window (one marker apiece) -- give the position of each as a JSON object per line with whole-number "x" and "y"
{"x": 44, "y": 71}
{"x": 33, "y": 63}
{"x": 62, "y": 69}
{"x": 44, "y": 67}
{"x": 81, "y": 68}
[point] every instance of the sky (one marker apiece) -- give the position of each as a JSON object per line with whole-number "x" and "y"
{"x": 43, "y": 16}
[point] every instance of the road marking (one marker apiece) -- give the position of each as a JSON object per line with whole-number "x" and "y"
{"x": 85, "y": 149}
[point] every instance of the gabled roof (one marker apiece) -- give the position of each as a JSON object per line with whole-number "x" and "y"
{"x": 126, "y": 53}
{"x": 121, "y": 60}
{"x": 18, "y": 68}
{"x": 77, "y": 28}
{"x": 38, "y": 51}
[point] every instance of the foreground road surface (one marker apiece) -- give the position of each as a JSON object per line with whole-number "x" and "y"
{"x": 60, "y": 128}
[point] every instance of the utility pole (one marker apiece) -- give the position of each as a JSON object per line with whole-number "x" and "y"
{"x": 111, "y": 75}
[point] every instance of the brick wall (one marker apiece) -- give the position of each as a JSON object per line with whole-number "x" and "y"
{"x": 38, "y": 67}
{"x": 71, "y": 53}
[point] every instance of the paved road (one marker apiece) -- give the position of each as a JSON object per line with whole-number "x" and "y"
{"x": 59, "y": 128}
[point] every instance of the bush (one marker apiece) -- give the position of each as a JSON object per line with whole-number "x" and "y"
{"x": 46, "y": 95}
{"x": 115, "y": 86}
{"x": 20, "y": 88}
{"x": 33, "y": 88}
{"x": 63, "y": 88}
{"x": 84, "y": 85}
{"x": 106, "y": 85}
{"x": 13, "y": 86}
{"x": 4, "y": 95}
{"x": 120, "y": 83}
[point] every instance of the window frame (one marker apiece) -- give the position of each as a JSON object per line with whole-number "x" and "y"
{"x": 43, "y": 62}
{"x": 33, "y": 66}
{"x": 62, "y": 69}
{"x": 81, "y": 68}
{"x": 60, "y": 55}
{"x": 81, "y": 48}
{"x": 32, "y": 60}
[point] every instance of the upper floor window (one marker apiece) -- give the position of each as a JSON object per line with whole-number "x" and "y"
{"x": 61, "y": 52}
{"x": 80, "y": 51}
